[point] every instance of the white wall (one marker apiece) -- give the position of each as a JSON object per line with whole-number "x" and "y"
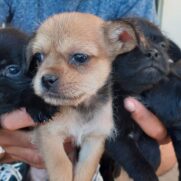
{"x": 171, "y": 19}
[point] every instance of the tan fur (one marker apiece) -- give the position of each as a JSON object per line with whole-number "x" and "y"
{"x": 58, "y": 38}
{"x": 59, "y": 43}
{"x": 112, "y": 31}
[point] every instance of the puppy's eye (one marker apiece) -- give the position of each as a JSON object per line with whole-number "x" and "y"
{"x": 79, "y": 58}
{"x": 12, "y": 71}
{"x": 163, "y": 45}
{"x": 38, "y": 57}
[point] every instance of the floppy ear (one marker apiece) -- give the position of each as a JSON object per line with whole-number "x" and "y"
{"x": 120, "y": 37}
{"x": 174, "y": 51}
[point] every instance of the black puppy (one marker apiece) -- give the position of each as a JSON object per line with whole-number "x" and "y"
{"x": 136, "y": 74}
{"x": 15, "y": 78}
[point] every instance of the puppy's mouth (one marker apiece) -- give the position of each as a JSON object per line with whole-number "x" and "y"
{"x": 61, "y": 99}
{"x": 150, "y": 69}
{"x": 153, "y": 69}
{"x": 58, "y": 96}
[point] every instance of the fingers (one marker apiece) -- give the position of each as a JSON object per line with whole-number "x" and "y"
{"x": 16, "y": 120}
{"x": 7, "y": 159}
{"x": 149, "y": 123}
{"x": 17, "y": 144}
{"x": 15, "y": 138}
{"x": 18, "y": 147}
{"x": 168, "y": 158}
{"x": 29, "y": 156}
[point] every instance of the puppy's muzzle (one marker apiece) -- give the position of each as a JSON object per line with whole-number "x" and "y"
{"x": 50, "y": 82}
{"x": 153, "y": 54}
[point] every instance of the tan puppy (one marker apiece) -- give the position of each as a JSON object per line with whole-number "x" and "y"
{"x": 75, "y": 52}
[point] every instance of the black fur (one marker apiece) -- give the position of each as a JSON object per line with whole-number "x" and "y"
{"x": 15, "y": 79}
{"x": 174, "y": 51}
{"x": 138, "y": 73}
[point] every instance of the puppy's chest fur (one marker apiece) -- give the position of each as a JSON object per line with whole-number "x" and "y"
{"x": 92, "y": 118}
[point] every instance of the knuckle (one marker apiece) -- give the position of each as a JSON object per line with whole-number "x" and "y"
{"x": 160, "y": 133}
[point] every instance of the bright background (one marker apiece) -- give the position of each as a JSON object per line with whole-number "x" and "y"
{"x": 170, "y": 19}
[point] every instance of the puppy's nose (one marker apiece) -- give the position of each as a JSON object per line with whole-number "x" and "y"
{"x": 153, "y": 54}
{"x": 49, "y": 81}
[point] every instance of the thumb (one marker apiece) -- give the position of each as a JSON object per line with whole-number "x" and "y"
{"x": 16, "y": 120}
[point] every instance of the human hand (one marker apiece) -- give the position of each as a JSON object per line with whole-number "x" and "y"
{"x": 17, "y": 143}
{"x": 148, "y": 122}
{"x": 154, "y": 128}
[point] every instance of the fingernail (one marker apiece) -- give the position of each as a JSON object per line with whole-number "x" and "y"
{"x": 129, "y": 105}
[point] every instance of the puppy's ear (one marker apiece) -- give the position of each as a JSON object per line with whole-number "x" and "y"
{"x": 120, "y": 36}
{"x": 174, "y": 51}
